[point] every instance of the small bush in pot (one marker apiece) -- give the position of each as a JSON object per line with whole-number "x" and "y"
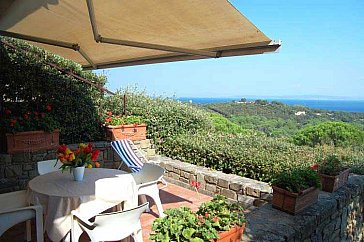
{"x": 295, "y": 190}
{"x": 182, "y": 224}
{"x": 333, "y": 171}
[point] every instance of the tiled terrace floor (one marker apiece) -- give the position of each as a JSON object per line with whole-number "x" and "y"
{"x": 172, "y": 197}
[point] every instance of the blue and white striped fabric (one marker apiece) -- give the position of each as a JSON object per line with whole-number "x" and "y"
{"x": 124, "y": 149}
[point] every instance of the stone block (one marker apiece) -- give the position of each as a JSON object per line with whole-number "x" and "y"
{"x": 266, "y": 196}
{"x": 184, "y": 180}
{"x": 150, "y": 152}
{"x": 211, "y": 179}
{"x": 228, "y": 193}
{"x": 20, "y": 158}
{"x": 177, "y": 170}
{"x": 246, "y": 200}
{"x": 237, "y": 187}
{"x": 223, "y": 183}
{"x": 28, "y": 167}
{"x": 210, "y": 187}
{"x": 254, "y": 192}
{"x": 175, "y": 176}
{"x": 13, "y": 171}
{"x": 5, "y": 159}
{"x": 144, "y": 144}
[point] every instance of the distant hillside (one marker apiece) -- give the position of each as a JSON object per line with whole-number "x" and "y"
{"x": 277, "y": 119}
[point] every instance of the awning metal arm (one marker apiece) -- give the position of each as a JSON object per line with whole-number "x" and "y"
{"x": 99, "y": 38}
{"x": 67, "y": 45}
{"x": 156, "y": 47}
{"x": 58, "y": 43}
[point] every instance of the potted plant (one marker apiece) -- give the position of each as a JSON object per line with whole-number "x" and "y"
{"x": 76, "y": 160}
{"x": 216, "y": 220}
{"x": 124, "y": 127}
{"x": 295, "y": 190}
{"x": 333, "y": 172}
{"x": 25, "y": 131}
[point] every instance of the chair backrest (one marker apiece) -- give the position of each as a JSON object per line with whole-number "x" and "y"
{"x": 12, "y": 200}
{"x": 47, "y": 166}
{"x": 15, "y": 209}
{"x": 117, "y": 225}
{"x": 148, "y": 173}
{"x": 127, "y": 154}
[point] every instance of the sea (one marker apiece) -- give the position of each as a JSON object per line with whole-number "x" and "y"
{"x": 330, "y": 105}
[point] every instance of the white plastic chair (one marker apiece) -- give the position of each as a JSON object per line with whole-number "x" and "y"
{"x": 47, "y": 166}
{"x": 15, "y": 209}
{"x": 111, "y": 226}
{"x": 147, "y": 184}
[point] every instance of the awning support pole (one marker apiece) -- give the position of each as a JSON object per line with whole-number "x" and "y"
{"x": 67, "y": 45}
{"x": 99, "y": 38}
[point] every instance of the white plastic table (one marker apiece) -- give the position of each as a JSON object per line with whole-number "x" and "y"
{"x": 59, "y": 194}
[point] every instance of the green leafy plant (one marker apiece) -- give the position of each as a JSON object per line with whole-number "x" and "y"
{"x": 297, "y": 180}
{"x": 332, "y": 164}
{"x": 181, "y": 224}
{"x": 113, "y": 120}
{"x": 15, "y": 120}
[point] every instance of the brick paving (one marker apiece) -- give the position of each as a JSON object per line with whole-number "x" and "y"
{"x": 172, "y": 196}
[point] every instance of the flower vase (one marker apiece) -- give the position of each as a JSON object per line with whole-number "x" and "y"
{"x": 78, "y": 173}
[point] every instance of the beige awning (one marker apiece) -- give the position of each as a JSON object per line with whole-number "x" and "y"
{"x": 111, "y": 33}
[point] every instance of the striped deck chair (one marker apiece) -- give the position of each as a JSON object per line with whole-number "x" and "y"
{"x": 146, "y": 175}
{"x": 126, "y": 150}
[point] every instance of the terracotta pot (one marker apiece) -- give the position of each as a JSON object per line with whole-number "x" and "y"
{"x": 130, "y": 131}
{"x": 233, "y": 235}
{"x": 294, "y": 203}
{"x": 332, "y": 183}
{"x": 31, "y": 141}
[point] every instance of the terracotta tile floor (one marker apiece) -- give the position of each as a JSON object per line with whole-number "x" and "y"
{"x": 172, "y": 196}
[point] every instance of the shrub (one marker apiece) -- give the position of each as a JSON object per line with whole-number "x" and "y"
{"x": 331, "y": 133}
{"x": 245, "y": 155}
{"x": 26, "y": 80}
{"x": 181, "y": 224}
{"x": 297, "y": 180}
{"x": 332, "y": 164}
{"x": 165, "y": 117}
{"x": 224, "y": 125}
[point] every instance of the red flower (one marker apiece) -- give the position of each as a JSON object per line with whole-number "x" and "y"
{"x": 109, "y": 113}
{"x": 206, "y": 215}
{"x": 26, "y": 116}
{"x": 196, "y": 184}
{"x": 94, "y": 155}
{"x": 49, "y": 107}
{"x": 88, "y": 149}
{"x": 12, "y": 122}
{"x": 62, "y": 148}
{"x": 7, "y": 111}
{"x": 315, "y": 167}
{"x": 108, "y": 120}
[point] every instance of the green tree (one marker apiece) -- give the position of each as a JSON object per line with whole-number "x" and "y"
{"x": 331, "y": 133}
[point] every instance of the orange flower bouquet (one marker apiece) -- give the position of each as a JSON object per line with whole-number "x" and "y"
{"x": 83, "y": 156}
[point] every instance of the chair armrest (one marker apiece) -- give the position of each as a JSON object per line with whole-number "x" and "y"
{"x": 37, "y": 208}
{"x": 83, "y": 221}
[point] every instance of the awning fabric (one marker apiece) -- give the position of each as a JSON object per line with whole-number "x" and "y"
{"x": 110, "y": 33}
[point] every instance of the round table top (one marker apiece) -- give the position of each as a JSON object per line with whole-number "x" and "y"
{"x": 63, "y": 185}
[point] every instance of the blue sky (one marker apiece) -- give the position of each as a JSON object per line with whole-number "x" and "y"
{"x": 322, "y": 55}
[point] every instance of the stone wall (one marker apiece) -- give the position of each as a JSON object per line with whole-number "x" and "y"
{"x": 244, "y": 190}
{"x": 337, "y": 216}
{"x": 16, "y": 170}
